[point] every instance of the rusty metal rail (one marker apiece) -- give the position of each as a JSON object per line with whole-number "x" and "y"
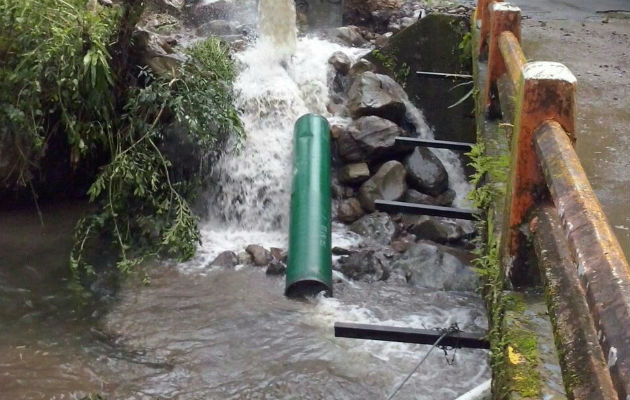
{"x": 544, "y": 165}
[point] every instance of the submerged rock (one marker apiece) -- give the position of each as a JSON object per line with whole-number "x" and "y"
{"x": 426, "y": 265}
{"x": 377, "y": 226}
{"x": 376, "y": 94}
{"x": 364, "y": 264}
{"x": 426, "y": 172}
{"x": 225, "y": 259}
{"x": 387, "y": 184}
{"x": 260, "y": 255}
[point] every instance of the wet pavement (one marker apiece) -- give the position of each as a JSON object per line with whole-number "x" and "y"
{"x": 592, "y": 38}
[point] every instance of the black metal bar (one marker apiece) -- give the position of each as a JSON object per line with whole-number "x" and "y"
{"x": 439, "y": 144}
{"x": 423, "y": 209}
{"x": 444, "y": 75}
{"x": 409, "y": 335}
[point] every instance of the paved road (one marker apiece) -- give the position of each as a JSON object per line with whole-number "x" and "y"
{"x": 596, "y": 47}
{"x": 569, "y": 9}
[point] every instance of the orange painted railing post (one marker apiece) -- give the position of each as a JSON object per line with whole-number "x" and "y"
{"x": 546, "y": 92}
{"x": 483, "y": 16}
{"x": 504, "y": 17}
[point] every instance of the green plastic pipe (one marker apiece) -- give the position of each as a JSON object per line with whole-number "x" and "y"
{"x": 309, "y": 269}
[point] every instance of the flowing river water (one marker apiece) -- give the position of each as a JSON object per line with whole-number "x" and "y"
{"x": 199, "y": 332}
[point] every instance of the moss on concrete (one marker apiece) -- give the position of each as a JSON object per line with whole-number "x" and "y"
{"x": 513, "y": 346}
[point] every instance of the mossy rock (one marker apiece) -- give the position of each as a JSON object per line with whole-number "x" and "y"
{"x": 436, "y": 43}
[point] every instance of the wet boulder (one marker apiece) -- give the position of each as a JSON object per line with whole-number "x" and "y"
{"x": 445, "y": 199}
{"x": 387, "y": 184}
{"x": 376, "y": 94}
{"x": 204, "y": 11}
{"x": 278, "y": 254}
{"x": 348, "y": 35}
{"x": 276, "y": 268}
{"x": 340, "y": 62}
{"x": 260, "y": 255}
{"x": 375, "y": 138}
{"x": 435, "y": 229}
{"x": 226, "y": 259}
{"x": 426, "y": 172}
{"x": 362, "y": 65}
{"x": 354, "y": 173}
{"x": 349, "y": 210}
{"x": 426, "y": 265}
{"x": 365, "y": 265}
{"x": 219, "y": 27}
{"x": 155, "y": 51}
{"x": 377, "y": 226}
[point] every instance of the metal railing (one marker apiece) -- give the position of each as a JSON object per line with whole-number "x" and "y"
{"x": 544, "y": 165}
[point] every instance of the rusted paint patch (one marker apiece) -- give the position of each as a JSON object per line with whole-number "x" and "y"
{"x": 601, "y": 264}
{"x": 584, "y": 368}
{"x": 540, "y": 98}
{"x": 502, "y": 19}
{"x": 483, "y": 15}
{"x": 513, "y": 56}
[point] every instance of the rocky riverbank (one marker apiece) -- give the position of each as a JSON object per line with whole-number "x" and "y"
{"x": 369, "y": 110}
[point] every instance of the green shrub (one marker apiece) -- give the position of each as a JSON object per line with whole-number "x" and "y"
{"x": 58, "y": 77}
{"x": 144, "y": 205}
{"x": 55, "y": 76}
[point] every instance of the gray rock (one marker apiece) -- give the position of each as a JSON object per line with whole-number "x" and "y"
{"x": 152, "y": 50}
{"x": 445, "y": 199}
{"x": 176, "y": 5}
{"x": 219, "y": 27}
{"x": 361, "y": 66}
{"x": 336, "y": 131}
{"x": 348, "y": 148}
{"x": 349, "y": 210}
{"x": 365, "y": 264}
{"x": 276, "y": 268}
{"x": 377, "y": 226}
{"x": 432, "y": 228}
{"x": 340, "y": 251}
{"x": 375, "y": 138}
{"x": 354, "y": 173}
{"x": 244, "y": 258}
{"x": 340, "y": 61}
{"x": 425, "y": 172}
{"x": 278, "y": 254}
{"x": 426, "y": 265}
{"x": 376, "y": 94}
{"x": 260, "y": 255}
{"x": 348, "y": 35}
{"x": 387, "y": 184}
{"x": 203, "y": 11}
{"x": 225, "y": 259}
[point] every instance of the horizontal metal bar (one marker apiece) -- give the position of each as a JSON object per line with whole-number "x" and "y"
{"x": 444, "y": 75}
{"x": 409, "y": 335}
{"x": 438, "y": 144}
{"x": 423, "y": 209}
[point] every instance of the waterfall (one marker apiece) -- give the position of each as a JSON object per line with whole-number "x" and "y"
{"x": 277, "y": 25}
